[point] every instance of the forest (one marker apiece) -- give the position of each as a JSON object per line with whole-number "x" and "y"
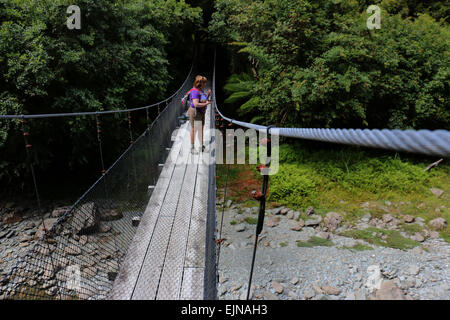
{"x": 304, "y": 63}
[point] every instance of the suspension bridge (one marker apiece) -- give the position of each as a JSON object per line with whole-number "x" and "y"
{"x": 146, "y": 229}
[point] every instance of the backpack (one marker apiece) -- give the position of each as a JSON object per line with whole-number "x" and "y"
{"x": 186, "y": 98}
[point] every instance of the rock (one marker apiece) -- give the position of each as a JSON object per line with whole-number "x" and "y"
{"x": 59, "y": 212}
{"x": 276, "y": 211}
{"x": 83, "y": 240}
{"x": 360, "y": 294}
{"x": 104, "y": 228}
{"x": 298, "y": 225}
{"x": 317, "y": 289}
{"x": 309, "y": 294}
{"x": 387, "y": 218}
{"x": 29, "y": 225}
{"x": 374, "y": 279}
{"x": 324, "y": 235}
{"x": 111, "y": 215}
{"x": 41, "y": 230}
{"x": 309, "y": 211}
{"x": 290, "y": 214}
{"x": 434, "y": 235}
{"x": 332, "y": 220}
{"x": 269, "y": 295}
{"x": 331, "y": 290}
{"x": 417, "y": 250}
{"x": 283, "y": 211}
{"x": 292, "y": 295}
{"x": 294, "y": 281}
{"x": 277, "y": 287}
{"x": 52, "y": 291}
{"x": 85, "y": 219}
{"x": 11, "y": 218}
{"x": 72, "y": 249}
{"x": 350, "y": 296}
{"x": 408, "y": 218}
{"x": 388, "y": 203}
{"x": 365, "y": 205}
{"x": 413, "y": 270}
{"x": 222, "y": 279}
{"x": 271, "y": 222}
{"x": 229, "y": 202}
{"x": 313, "y": 222}
{"x": 438, "y": 223}
{"x": 296, "y": 215}
{"x": 437, "y": 192}
{"x": 240, "y": 227}
{"x": 418, "y": 237}
{"x": 89, "y": 272}
{"x": 389, "y": 291}
{"x": 236, "y": 287}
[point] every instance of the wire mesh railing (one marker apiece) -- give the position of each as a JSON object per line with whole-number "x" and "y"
{"x": 78, "y": 255}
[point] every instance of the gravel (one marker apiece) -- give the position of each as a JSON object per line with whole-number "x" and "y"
{"x": 420, "y": 274}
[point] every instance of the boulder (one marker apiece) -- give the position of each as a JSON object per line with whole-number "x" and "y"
{"x": 316, "y": 220}
{"x": 309, "y": 211}
{"x": 387, "y": 218}
{"x": 389, "y": 291}
{"x": 85, "y": 219}
{"x": 438, "y": 223}
{"x": 283, "y": 211}
{"x": 44, "y": 227}
{"x": 331, "y": 290}
{"x": 11, "y": 218}
{"x": 332, "y": 220}
{"x": 59, "y": 212}
{"x": 111, "y": 215}
{"x": 297, "y": 225}
{"x": 408, "y": 218}
{"x": 437, "y": 192}
{"x": 374, "y": 279}
{"x": 418, "y": 237}
{"x": 277, "y": 287}
{"x": 271, "y": 222}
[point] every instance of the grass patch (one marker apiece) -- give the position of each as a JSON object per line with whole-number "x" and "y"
{"x": 357, "y": 247}
{"x": 373, "y": 235}
{"x": 314, "y": 242}
{"x": 340, "y": 178}
{"x": 233, "y": 222}
{"x": 283, "y": 244}
{"x": 251, "y": 220}
{"x": 411, "y": 228}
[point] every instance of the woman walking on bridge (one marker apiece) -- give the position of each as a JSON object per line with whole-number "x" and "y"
{"x": 198, "y": 104}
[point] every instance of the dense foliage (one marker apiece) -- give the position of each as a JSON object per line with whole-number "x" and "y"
{"x": 118, "y": 59}
{"x": 316, "y": 64}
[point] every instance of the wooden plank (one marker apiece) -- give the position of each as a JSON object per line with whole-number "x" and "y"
{"x": 170, "y": 284}
{"x": 148, "y": 280}
{"x": 192, "y": 287}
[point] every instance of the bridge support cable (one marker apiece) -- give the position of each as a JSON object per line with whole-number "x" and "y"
{"x": 261, "y": 197}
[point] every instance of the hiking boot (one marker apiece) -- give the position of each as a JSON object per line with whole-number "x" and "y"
{"x": 203, "y": 148}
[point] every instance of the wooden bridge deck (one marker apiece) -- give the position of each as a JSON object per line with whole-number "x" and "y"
{"x": 166, "y": 259}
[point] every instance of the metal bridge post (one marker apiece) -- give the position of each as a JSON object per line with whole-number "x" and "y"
{"x": 261, "y": 197}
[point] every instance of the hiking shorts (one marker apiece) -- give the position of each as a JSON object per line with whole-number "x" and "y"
{"x": 195, "y": 115}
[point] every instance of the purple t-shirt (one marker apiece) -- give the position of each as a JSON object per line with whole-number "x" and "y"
{"x": 195, "y": 94}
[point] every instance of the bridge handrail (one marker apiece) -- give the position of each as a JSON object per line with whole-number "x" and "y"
{"x": 436, "y": 143}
